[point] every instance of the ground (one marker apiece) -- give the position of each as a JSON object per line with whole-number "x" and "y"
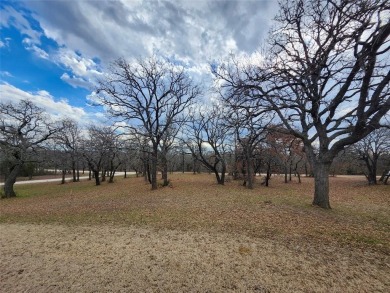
{"x": 195, "y": 236}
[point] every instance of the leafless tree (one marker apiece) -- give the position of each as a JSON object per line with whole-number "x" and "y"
{"x": 24, "y": 128}
{"x": 166, "y": 143}
{"x": 150, "y": 96}
{"x": 327, "y": 77}
{"x": 99, "y": 150}
{"x": 250, "y": 129}
{"x": 68, "y": 139}
{"x": 370, "y": 148}
{"x": 206, "y": 136}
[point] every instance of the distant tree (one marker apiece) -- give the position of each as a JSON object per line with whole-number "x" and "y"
{"x": 287, "y": 150}
{"x": 370, "y": 148}
{"x": 150, "y": 96}
{"x": 24, "y": 128}
{"x": 166, "y": 144}
{"x": 250, "y": 129}
{"x": 68, "y": 140}
{"x": 206, "y": 137}
{"x": 131, "y": 156}
{"x": 98, "y": 149}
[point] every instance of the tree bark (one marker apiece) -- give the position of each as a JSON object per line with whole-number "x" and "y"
{"x": 74, "y": 171}
{"x": 164, "y": 163}
{"x": 103, "y": 175}
{"x": 321, "y": 184}
{"x": 223, "y": 173}
{"x": 249, "y": 172}
{"x": 219, "y": 179}
{"x": 97, "y": 179}
{"x": 371, "y": 164}
{"x": 268, "y": 176}
{"x": 285, "y": 173}
{"x": 63, "y": 176}
{"x": 10, "y": 181}
{"x": 165, "y": 175}
{"x": 154, "y": 168}
{"x": 78, "y": 172}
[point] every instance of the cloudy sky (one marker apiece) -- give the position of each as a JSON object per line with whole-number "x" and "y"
{"x": 52, "y": 51}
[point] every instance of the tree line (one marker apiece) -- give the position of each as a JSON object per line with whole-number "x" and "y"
{"x": 319, "y": 88}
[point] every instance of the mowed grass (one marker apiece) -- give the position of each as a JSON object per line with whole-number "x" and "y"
{"x": 360, "y": 215}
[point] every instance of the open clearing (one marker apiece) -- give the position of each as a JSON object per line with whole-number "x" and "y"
{"x": 195, "y": 236}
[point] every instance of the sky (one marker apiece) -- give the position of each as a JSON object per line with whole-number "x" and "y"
{"x": 53, "y": 51}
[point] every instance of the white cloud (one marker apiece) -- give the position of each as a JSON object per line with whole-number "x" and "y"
{"x": 43, "y": 99}
{"x": 194, "y": 32}
{"x": 5, "y": 42}
{"x": 31, "y": 46}
{"x": 200, "y": 30}
{"x": 18, "y": 19}
{"x": 76, "y": 81}
{"x": 6, "y": 74}
{"x": 85, "y": 72}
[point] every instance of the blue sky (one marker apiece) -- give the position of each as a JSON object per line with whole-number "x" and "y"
{"x": 53, "y": 52}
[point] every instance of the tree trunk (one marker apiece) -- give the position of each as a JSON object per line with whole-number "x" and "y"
{"x": 63, "y": 176}
{"x": 183, "y": 163}
{"x": 74, "y": 171}
{"x": 249, "y": 171}
{"x": 371, "y": 167}
{"x": 194, "y": 165}
{"x": 154, "y": 168}
{"x": 111, "y": 175}
{"x": 386, "y": 179}
{"x": 297, "y": 172}
{"x": 103, "y": 175}
{"x": 268, "y": 176}
{"x": 219, "y": 180}
{"x": 164, "y": 174}
{"x": 10, "y": 181}
{"x": 146, "y": 169}
{"x": 321, "y": 184}
{"x": 223, "y": 173}
{"x": 285, "y": 173}
{"x": 78, "y": 172}
{"x": 97, "y": 179}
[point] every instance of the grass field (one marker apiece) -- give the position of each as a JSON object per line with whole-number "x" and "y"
{"x": 195, "y": 236}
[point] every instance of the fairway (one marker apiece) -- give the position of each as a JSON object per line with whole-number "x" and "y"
{"x": 195, "y": 236}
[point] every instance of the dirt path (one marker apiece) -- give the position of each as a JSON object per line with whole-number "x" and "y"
{"x": 54, "y": 258}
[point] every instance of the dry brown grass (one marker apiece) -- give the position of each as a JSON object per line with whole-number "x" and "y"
{"x": 201, "y": 236}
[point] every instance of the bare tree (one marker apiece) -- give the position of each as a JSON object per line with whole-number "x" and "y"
{"x": 250, "y": 130}
{"x": 370, "y": 148}
{"x": 69, "y": 139}
{"x": 166, "y": 144}
{"x": 24, "y": 128}
{"x": 206, "y": 137}
{"x": 150, "y": 96}
{"x": 327, "y": 77}
{"x": 98, "y": 149}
